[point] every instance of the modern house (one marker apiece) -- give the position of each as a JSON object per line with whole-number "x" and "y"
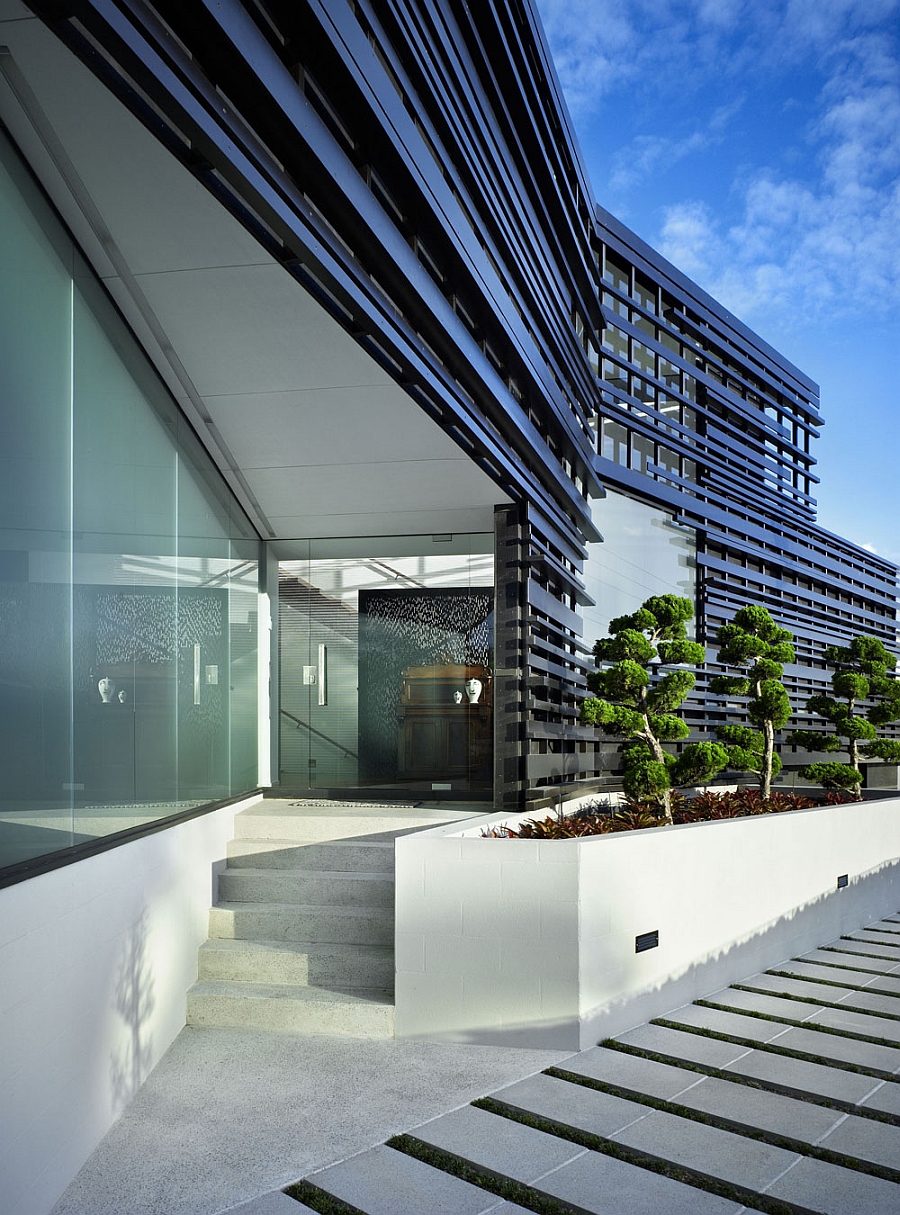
{"x": 336, "y": 422}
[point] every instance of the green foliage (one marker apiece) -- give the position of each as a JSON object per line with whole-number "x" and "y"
{"x": 698, "y": 763}
{"x": 646, "y": 780}
{"x": 832, "y": 775}
{"x": 887, "y": 749}
{"x": 639, "y": 702}
{"x": 673, "y": 653}
{"x": 770, "y": 704}
{"x": 670, "y": 691}
{"x": 812, "y": 740}
{"x": 629, "y": 643}
{"x": 668, "y": 727}
{"x": 730, "y": 685}
{"x": 753, "y": 640}
{"x": 864, "y": 671}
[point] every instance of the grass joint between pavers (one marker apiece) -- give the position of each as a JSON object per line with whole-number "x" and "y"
{"x": 754, "y": 1082}
{"x": 732, "y": 1125}
{"x": 495, "y": 1183}
{"x": 805, "y": 1056}
{"x": 653, "y": 1164}
{"x": 786, "y": 974}
{"x": 814, "y": 1025}
{"x": 818, "y": 1002}
{"x": 320, "y": 1200}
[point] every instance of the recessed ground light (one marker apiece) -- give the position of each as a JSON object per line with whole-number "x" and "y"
{"x": 843, "y": 880}
{"x": 646, "y": 940}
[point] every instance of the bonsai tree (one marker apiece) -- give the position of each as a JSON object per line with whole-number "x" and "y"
{"x": 637, "y": 701}
{"x": 861, "y": 674}
{"x": 754, "y": 641}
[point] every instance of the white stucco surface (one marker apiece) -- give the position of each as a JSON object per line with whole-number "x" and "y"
{"x": 95, "y": 962}
{"x": 533, "y": 942}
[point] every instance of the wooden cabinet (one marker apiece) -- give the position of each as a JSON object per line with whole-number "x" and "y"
{"x": 441, "y": 734}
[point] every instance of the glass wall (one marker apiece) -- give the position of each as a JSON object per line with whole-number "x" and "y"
{"x": 644, "y": 552}
{"x": 386, "y": 665}
{"x": 128, "y": 577}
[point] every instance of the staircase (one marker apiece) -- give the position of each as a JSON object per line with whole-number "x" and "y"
{"x": 301, "y": 939}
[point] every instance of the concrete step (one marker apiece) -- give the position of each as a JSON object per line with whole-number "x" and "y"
{"x": 336, "y": 855}
{"x": 299, "y": 886}
{"x": 302, "y": 922}
{"x": 274, "y": 820}
{"x": 312, "y": 964}
{"x": 288, "y": 1008}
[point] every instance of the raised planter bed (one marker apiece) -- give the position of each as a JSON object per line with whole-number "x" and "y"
{"x": 533, "y": 942}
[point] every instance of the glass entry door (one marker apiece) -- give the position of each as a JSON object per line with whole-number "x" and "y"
{"x": 386, "y": 666}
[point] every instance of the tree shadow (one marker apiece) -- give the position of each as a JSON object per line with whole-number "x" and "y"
{"x": 134, "y": 1001}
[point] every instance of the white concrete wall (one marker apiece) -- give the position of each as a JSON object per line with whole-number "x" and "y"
{"x": 533, "y": 942}
{"x": 95, "y": 962}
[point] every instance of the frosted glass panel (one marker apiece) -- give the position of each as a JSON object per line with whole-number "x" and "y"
{"x": 36, "y": 779}
{"x": 128, "y": 575}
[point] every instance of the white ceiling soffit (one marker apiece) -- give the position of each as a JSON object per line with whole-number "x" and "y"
{"x": 323, "y": 442}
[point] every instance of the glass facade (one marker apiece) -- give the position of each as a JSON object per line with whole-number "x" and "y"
{"x": 644, "y": 552}
{"x": 386, "y": 662}
{"x": 128, "y": 577}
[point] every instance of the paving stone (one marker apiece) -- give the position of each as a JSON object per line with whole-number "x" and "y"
{"x": 801, "y": 986}
{"x": 384, "y": 1182}
{"x": 866, "y": 1140}
{"x": 765, "y": 1111}
{"x": 885, "y": 1098}
{"x": 732, "y": 1023}
{"x": 850, "y": 958}
{"x": 633, "y": 1072}
{"x": 873, "y": 1001}
{"x": 866, "y": 949}
{"x": 812, "y": 991}
{"x": 572, "y": 1104}
{"x": 717, "y": 1153}
{"x": 881, "y": 939}
{"x": 274, "y": 1203}
{"x": 836, "y": 1191}
{"x": 817, "y": 1079}
{"x": 681, "y": 1044}
{"x": 846, "y": 1050}
{"x": 769, "y": 1006}
{"x": 497, "y": 1143}
{"x": 835, "y": 974}
{"x": 608, "y": 1186}
{"x": 858, "y": 1023}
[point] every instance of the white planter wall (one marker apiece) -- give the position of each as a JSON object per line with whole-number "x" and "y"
{"x": 95, "y": 962}
{"x": 533, "y": 942}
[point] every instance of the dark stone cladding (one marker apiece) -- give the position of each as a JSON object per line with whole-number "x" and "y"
{"x": 413, "y": 165}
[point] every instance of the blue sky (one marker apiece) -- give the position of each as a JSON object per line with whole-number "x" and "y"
{"x": 756, "y": 144}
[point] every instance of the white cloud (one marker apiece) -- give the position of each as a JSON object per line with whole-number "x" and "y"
{"x": 827, "y": 244}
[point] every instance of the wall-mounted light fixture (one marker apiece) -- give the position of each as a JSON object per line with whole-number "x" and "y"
{"x": 646, "y": 940}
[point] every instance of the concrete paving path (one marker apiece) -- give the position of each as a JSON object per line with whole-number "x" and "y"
{"x": 781, "y": 1094}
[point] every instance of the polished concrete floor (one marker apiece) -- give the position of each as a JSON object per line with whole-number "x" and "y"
{"x": 230, "y": 1114}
